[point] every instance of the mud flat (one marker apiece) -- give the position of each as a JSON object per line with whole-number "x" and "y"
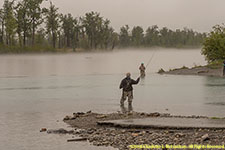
{"x": 91, "y": 126}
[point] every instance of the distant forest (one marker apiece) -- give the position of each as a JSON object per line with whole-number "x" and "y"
{"x": 25, "y": 26}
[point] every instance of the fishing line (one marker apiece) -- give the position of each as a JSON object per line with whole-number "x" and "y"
{"x": 150, "y": 60}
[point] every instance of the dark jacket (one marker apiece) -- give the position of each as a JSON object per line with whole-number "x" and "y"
{"x": 126, "y": 84}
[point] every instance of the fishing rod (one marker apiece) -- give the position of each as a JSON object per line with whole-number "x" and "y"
{"x": 150, "y": 60}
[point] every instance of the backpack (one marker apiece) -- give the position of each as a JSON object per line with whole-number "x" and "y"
{"x": 127, "y": 85}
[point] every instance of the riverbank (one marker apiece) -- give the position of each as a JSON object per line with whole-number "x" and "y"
{"x": 215, "y": 70}
{"x": 37, "y": 50}
{"x": 49, "y": 49}
{"x": 85, "y": 126}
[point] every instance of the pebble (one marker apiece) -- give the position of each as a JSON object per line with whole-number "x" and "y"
{"x": 179, "y": 135}
{"x": 67, "y": 118}
{"x": 121, "y": 138}
{"x": 205, "y": 137}
{"x": 101, "y": 116}
{"x": 43, "y": 130}
{"x": 88, "y": 112}
{"x": 59, "y": 131}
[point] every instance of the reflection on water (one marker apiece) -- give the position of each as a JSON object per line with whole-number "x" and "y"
{"x": 214, "y": 95}
{"x": 216, "y": 103}
{"x": 20, "y": 131}
{"x": 38, "y": 90}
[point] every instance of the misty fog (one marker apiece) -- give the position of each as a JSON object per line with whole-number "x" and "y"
{"x": 199, "y": 15}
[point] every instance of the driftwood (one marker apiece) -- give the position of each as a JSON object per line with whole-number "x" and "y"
{"x": 77, "y": 139}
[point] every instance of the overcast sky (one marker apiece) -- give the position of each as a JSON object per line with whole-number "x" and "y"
{"x": 200, "y": 15}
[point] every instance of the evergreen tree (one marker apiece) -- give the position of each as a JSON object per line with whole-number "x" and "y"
{"x": 2, "y": 22}
{"x": 137, "y": 36}
{"x": 35, "y": 15}
{"x": 23, "y": 21}
{"x": 52, "y": 22}
{"x": 124, "y": 36}
{"x": 9, "y": 22}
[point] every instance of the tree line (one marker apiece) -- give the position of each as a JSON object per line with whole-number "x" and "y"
{"x": 27, "y": 26}
{"x": 164, "y": 37}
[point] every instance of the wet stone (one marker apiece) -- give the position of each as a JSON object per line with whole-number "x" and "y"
{"x": 120, "y": 138}
{"x": 205, "y": 137}
{"x": 60, "y": 131}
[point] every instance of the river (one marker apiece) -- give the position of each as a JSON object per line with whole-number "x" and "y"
{"x": 39, "y": 90}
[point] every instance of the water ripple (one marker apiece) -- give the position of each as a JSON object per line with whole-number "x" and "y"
{"x": 37, "y": 88}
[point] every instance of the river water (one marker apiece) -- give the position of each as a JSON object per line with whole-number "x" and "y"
{"x": 37, "y": 91}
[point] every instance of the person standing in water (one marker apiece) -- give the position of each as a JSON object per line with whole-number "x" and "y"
{"x": 142, "y": 70}
{"x": 126, "y": 85}
{"x": 224, "y": 68}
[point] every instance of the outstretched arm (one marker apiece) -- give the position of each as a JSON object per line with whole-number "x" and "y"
{"x": 137, "y": 81}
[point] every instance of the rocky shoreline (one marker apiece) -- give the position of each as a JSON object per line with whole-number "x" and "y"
{"x": 208, "y": 70}
{"x": 85, "y": 127}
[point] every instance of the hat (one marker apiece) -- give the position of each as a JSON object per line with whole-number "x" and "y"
{"x": 128, "y": 74}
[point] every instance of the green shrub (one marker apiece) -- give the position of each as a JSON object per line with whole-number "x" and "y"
{"x": 214, "y": 44}
{"x": 215, "y": 64}
{"x": 161, "y": 71}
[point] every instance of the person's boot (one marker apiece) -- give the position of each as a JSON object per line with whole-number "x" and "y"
{"x": 130, "y": 107}
{"x": 123, "y": 109}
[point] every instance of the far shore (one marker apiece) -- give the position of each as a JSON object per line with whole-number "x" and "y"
{"x": 215, "y": 70}
{"x": 35, "y": 50}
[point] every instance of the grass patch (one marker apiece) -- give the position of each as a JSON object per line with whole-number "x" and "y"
{"x": 31, "y": 49}
{"x": 197, "y": 66}
{"x": 216, "y": 118}
{"x": 184, "y": 67}
{"x": 161, "y": 71}
{"x": 215, "y": 64}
